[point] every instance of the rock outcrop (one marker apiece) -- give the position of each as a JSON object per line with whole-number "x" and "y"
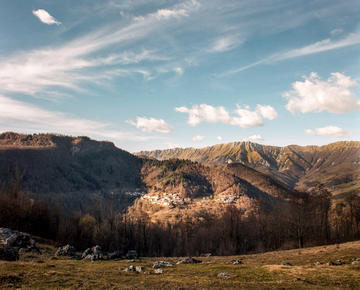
{"x": 93, "y": 254}
{"x": 15, "y": 243}
{"x": 66, "y": 251}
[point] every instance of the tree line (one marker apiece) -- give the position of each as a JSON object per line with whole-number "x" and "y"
{"x": 307, "y": 219}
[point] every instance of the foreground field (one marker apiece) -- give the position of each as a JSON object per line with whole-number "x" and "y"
{"x": 257, "y": 271}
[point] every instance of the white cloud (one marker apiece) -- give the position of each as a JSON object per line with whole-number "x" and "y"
{"x": 315, "y": 95}
{"x": 167, "y": 13}
{"x": 267, "y": 112}
{"x": 317, "y": 47}
{"x": 24, "y": 117}
{"x": 45, "y": 17}
{"x": 331, "y": 131}
{"x": 219, "y": 138}
{"x": 245, "y": 118}
{"x": 151, "y": 124}
{"x": 254, "y": 138}
{"x": 198, "y": 138}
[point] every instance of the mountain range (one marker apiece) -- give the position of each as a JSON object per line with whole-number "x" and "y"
{"x": 80, "y": 174}
{"x": 336, "y": 165}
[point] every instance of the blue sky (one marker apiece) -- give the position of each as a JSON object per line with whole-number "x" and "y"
{"x": 159, "y": 74}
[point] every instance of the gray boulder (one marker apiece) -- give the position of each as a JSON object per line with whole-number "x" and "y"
{"x": 158, "y": 271}
{"x": 20, "y": 242}
{"x": 189, "y": 260}
{"x": 139, "y": 269}
{"x": 224, "y": 275}
{"x": 66, "y": 251}
{"x": 236, "y": 262}
{"x": 131, "y": 268}
{"x": 93, "y": 254}
{"x": 15, "y": 239}
{"x": 160, "y": 264}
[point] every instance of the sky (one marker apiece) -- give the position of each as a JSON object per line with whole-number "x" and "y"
{"x": 156, "y": 74}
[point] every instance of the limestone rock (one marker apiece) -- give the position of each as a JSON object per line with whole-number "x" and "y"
{"x": 160, "y": 264}
{"x": 189, "y": 260}
{"x": 66, "y": 251}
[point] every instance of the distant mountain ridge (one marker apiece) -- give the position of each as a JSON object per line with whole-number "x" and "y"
{"x": 337, "y": 165}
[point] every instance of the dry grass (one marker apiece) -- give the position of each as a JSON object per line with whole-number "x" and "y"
{"x": 258, "y": 272}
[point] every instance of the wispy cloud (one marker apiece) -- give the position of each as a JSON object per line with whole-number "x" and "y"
{"x": 24, "y": 117}
{"x": 317, "y": 47}
{"x": 225, "y": 43}
{"x": 245, "y": 117}
{"x": 45, "y": 17}
{"x": 68, "y": 65}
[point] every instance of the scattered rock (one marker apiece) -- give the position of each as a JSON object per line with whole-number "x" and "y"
{"x": 8, "y": 254}
{"x": 336, "y": 263}
{"x": 236, "y": 262}
{"x": 224, "y": 275}
{"x": 131, "y": 268}
{"x": 139, "y": 269}
{"x": 356, "y": 262}
{"x": 160, "y": 264}
{"x": 66, "y": 251}
{"x": 189, "y": 260}
{"x": 158, "y": 271}
{"x": 93, "y": 254}
{"x": 317, "y": 263}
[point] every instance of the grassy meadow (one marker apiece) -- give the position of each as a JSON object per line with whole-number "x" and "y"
{"x": 258, "y": 271}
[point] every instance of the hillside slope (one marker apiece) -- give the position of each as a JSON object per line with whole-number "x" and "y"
{"x": 77, "y": 173}
{"x": 74, "y": 173}
{"x": 337, "y": 165}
